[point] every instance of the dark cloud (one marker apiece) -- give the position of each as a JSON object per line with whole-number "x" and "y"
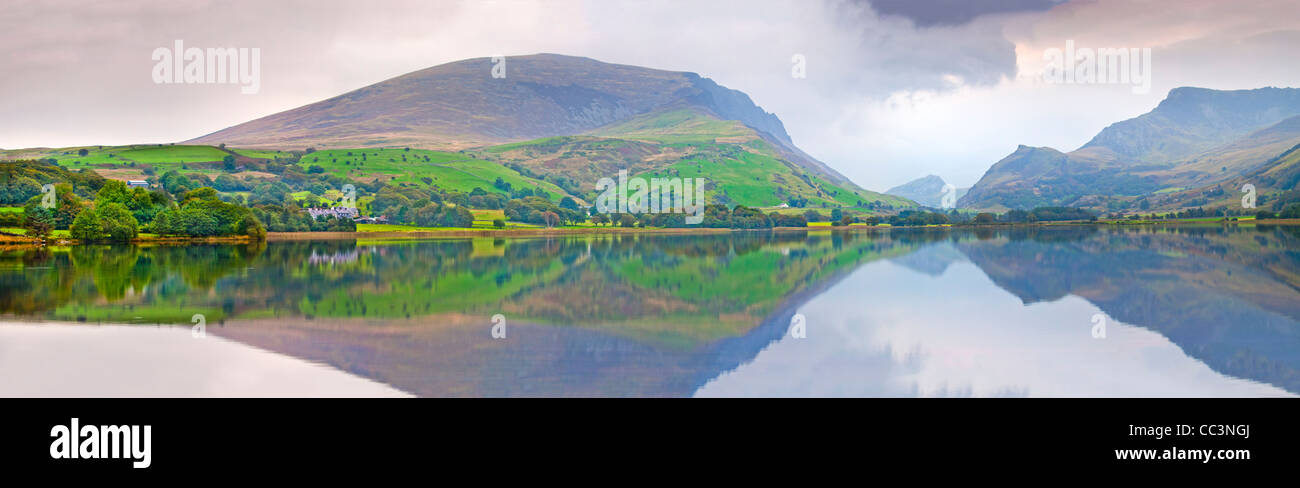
{"x": 926, "y": 13}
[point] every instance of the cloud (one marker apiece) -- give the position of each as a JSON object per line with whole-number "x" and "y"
{"x": 927, "y": 13}
{"x": 887, "y": 98}
{"x": 88, "y": 82}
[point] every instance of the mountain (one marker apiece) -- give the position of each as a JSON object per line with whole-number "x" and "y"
{"x": 1042, "y": 176}
{"x": 1192, "y": 120}
{"x": 1275, "y": 183}
{"x": 569, "y": 121}
{"x": 1196, "y": 137}
{"x": 926, "y": 190}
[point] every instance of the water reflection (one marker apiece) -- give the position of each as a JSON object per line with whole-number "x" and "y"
{"x": 1202, "y": 311}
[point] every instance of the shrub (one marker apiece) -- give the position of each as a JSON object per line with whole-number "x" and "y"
{"x": 117, "y": 222}
{"x": 86, "y": 227}
{"x": 39, "y": 223}
{"x": 1291, "y": 212}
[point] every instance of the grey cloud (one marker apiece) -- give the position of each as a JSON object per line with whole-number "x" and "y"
{"x": 927, "y": 13}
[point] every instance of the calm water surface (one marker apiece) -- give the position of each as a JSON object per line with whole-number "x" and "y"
{"x": 1188, "y": 311}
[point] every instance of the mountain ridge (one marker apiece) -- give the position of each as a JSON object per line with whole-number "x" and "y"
{"x": 459, "y": 105}
{"x": 1193, "y": 138}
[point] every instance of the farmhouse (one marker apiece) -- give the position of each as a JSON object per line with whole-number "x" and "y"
{"x": 336, "y": 212}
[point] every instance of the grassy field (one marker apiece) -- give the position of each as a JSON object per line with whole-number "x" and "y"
{"x": 22, "y": 231}
{"x": 760, "y": 180}
{"x": 126, "y": 155}
{"x": 449, "y": 171}
{"x": 681, "y": 142}
{"x": 678, "y": 126}
{"x": 488, "y": 215}
{"x": 173, "y": 154}
{"x": 138, "y": 314}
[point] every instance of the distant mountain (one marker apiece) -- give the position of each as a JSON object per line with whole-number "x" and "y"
{"x": 1192, "y": 120}
{"x": 927, "y": 190}
{"x": 1194, "y": 138}
{"x": 460, "y": 105}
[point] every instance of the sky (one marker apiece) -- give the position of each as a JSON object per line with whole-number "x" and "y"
{"x": 894, "y": 89}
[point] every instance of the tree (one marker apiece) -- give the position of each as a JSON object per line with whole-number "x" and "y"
{"x": 782, "y": 220}
{"x": 252, "y": 227}
{"x": 550, "y": 218}
{"x": 113, "y": 191}
{"x": 458, "y": 217}
{"x": 204, "y": 193}
{"x": 82, "y": 152}
{"x": 228, "y": 162}
{"x": 498, "y": 223}
{"x": 195, "y": 222}
{"x": 39, "y": 222}
{"x": 569, "y": 203}
{"x": 1291, "y": 212}
{"x": 86, "y": 227}
{"x": 164, "y": 223}
{"x": 428, "y": 215}
{"x": 116, "y": 222}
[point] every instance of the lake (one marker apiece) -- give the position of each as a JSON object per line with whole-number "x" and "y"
{"x": 1028, "y": 311}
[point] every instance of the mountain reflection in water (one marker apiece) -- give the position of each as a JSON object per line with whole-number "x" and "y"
{"x": 1200, "y": 311}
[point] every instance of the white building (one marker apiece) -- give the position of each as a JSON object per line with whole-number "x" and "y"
{"x": 337, "y": 212}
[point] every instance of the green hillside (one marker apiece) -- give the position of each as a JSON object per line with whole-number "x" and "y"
{"x": 681, "y": 125}
{"x": 121, "y": 155}
{"x": 761, "y": 180}
{"x": 447, "y": 170}
{"x": 1275, "y": 185}
{"x": 740, "y": 167}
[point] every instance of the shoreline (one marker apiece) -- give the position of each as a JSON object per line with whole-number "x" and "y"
{"x": 8, "y": 240}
